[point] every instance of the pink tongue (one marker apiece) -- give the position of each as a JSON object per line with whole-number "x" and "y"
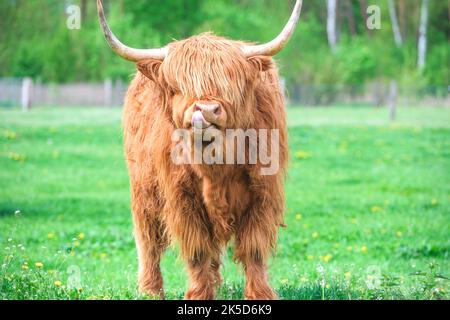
{"x": 198, "y": 120}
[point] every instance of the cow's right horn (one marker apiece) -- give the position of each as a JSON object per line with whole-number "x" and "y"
{"x": 276, "y": 45}
{"x": 122, "y": 50}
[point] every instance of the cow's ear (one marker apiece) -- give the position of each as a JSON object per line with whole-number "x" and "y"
{"x": 261, "y": 63}
{"x": 150, "y": 68}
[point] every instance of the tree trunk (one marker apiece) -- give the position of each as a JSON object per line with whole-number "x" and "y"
{"x": 363, "y": 5}
{"x": 392, "y": 100}
{"x": 402, "y": 17}
{"x": 422, "y": 45}
{"x": 448, "y": 18}
{"x": 350, "y": 17}
{"x": 84, "y": 9}
{"x": 394, "y": 21}
{"x": 331, "y": 24}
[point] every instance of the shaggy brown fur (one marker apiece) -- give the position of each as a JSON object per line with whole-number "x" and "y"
{"x": 203, "y": 206}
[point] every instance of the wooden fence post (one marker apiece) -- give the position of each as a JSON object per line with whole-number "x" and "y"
{"x": 377, "y": 93}
{"x": 27, "y": 88}
{"x": 392, "y": 100}
{"x": 108, "y": 86}
{"x": 118, "y": 91}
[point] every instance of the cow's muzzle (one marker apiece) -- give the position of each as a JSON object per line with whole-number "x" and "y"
{"x": 207, "y": 114}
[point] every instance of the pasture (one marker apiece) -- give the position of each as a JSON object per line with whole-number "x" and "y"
{"x": 368, "y": 208}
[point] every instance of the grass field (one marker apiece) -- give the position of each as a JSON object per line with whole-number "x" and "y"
{"x": 368, "y": 208}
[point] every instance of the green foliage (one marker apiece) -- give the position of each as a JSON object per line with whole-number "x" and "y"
{"x": 438, "y": 62}
{"x": 36, "y": 42}
{"x": 367, "y": 203}
{"x": 356, "y": 63}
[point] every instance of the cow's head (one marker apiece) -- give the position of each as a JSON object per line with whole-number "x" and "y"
{"x": 209, "y": 79}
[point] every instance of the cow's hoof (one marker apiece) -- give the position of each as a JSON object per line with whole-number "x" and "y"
{"x": 199, "y": 294}
{"x": 262, "y": 293}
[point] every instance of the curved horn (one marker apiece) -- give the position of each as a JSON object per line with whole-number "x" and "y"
{"x": 122, "y": 50}
{"x": 276, "y": 45}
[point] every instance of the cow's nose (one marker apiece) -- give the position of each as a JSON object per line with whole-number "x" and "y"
{"x": 211, "y": 111}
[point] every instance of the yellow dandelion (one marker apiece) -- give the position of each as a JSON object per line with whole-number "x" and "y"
{"x": 398, "y": 233}
{"x": 76, "y": 243}
{"x": 326, "y": 258}
{"x": 347, "y": 275}
{"x": 349, "y": 248}
{"x": 81, "y": 235}
{"x": 16, "y": 156}
{"x": 376, "y": 209}
{"x": 103, "y": 255}
{"x": 51, "y": 235}
{"x": 10, "y": 135}
{"x": 327, "y": 286}
{"x": 364, "y": 249}
{"x": 58, "y": 283}
{"x": 39, "y": 264}
{"x": 24, "y": 267}
{"x": 343, "y": 146}
{"x": 302, "y": 154}
{"x": 434, "y": 202}
{"x": 315, "y": 235}
{"x": 298, "y": 217}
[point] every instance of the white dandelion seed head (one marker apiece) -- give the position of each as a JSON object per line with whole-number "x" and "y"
{"x": 320, "y": 269}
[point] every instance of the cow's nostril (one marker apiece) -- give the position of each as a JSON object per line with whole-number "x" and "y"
{"x": 209, "y": 109}
{"x": 217, "y": 110}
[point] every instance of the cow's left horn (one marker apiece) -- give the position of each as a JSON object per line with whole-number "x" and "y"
{"x": 276, "y": 45}
{"x": 122, "y": 50}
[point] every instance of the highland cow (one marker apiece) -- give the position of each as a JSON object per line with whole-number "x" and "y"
{"x": 203, "y": 82}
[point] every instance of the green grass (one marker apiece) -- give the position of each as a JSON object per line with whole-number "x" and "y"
{"x": 367, "y": 208}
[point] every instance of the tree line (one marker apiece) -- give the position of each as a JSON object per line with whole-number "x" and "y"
{"x": 334, "y": 43}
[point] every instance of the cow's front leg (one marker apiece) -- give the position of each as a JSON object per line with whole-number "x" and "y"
{"x": 257, "y": 286}
{"x": 204, "y": 276}
{"x": 150, "y": 246}
{"x": 256, "y": 236}
{"x": 188, "y": 221}
{"x": 150, "y": 240}
{"x": 253, "y": 246}
{"x": 201, "y": 279}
